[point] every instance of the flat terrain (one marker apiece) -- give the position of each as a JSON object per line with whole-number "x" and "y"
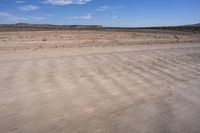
{"x": 102, "y": 84}
{"x": 53, "y": 39}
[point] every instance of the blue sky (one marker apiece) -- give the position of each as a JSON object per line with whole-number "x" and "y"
{"x": 103, "y": 12}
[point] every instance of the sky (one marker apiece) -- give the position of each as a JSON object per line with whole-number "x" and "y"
{"x": 123, "y": 13}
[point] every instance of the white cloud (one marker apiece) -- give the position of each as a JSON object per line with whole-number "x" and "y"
{"x": 48, "y": 15}
{"x": 4, "y": 14}
{"x": 66, "y": 2}
{"x": 37, "y": 18}
{"x": 20, "y": 1}
{"x": 115, "y": 17}
{"x": 28, "y": 8}
{"x": 12, "y": 18}
{"x": 106, "y": 8}
{"x": 87, "y": 17}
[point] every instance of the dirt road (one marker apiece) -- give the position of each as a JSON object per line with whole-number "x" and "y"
{"x": 130, "y": 89}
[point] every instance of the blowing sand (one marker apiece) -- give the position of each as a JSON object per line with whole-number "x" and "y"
{"x": 99, "y": 82}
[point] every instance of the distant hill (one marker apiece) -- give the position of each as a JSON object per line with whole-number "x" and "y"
{"x": 196, "y": 24}
{"x": 34, "y": 27}
{"x": 26, "y": 25}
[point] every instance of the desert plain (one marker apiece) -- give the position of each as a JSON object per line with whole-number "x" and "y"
{"x": 99, "y": 81}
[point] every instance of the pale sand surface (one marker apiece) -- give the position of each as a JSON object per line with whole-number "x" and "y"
{"x": 106, "y": 89}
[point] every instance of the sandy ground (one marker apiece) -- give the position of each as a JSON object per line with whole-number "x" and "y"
{"x": 34, "y": 40}
{"x": 113, "y": 89}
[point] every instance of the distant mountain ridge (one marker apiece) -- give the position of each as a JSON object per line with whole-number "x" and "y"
{"x": 196, "y": 24}
{"x": 195, "y": 28}
{"x": 25, "y": 25}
